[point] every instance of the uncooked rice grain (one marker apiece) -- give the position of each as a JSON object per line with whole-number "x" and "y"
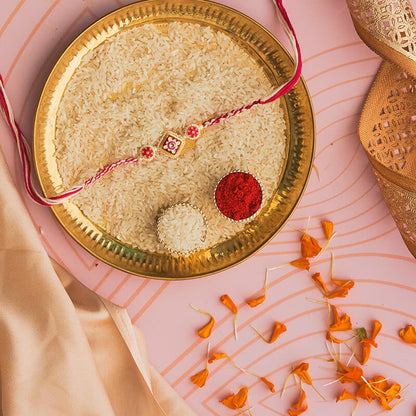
{"x": 182, "y": 228}
{"x": 150, "y": 79}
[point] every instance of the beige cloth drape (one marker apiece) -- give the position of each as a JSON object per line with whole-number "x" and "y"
{"x": 63, "y": 349}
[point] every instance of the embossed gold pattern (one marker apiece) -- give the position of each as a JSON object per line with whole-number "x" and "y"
{"x": 278, "y": 67}
{"x": 388, "y": 122}
{"x": 391, "y": 22}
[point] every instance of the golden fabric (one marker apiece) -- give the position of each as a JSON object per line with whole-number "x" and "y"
{"x": 388, "y": 121}
{"x": 63, "y": 349}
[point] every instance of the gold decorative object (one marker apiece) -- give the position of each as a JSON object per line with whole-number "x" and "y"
{"x": 387, "y": 127}
{"x": 278, "y": 67}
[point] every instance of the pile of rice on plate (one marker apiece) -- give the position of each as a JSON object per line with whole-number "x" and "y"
{"x": 148, "y": 80}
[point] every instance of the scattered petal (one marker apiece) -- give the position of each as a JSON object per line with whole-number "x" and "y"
{"x": 345, "y": 395}
{"x": 319, "y": 282}
{"x": 236, "y": 401}
{"x": 258, "y": 301}
{"x": 241, "y": 397}
{"x": 205, "y": 331}
{"x": 349, "y": 374}
{"x": 344, "y": 284}
{"x": 365, "y": 392}
{"x": 217, "y": 356}
{"x": 376, "y": 329}
{"x": 379, "y": 383}
{"x": 408, "y": 334}
{"x": 301, "y": 263}
{"x": 366, "y": 352}
{"x": 347, "y": 284}
{"x": 200, "y": 378}
{"x": 268, "y": 383}
{"x": 331, "y": 338}
{"x": 297, "y": 407}
{"x": 328, "y": 227}
{"x": 342, "y": 323}
{"x": 339, "y": 292}
{"x": 279, "y": 328}
{"x": 226, "y": 300}
{"x": 309, "y": 246}
{"x": 368, "y": 342}
{"x": 302, "y": 372}
{"x": 390, "y": 394}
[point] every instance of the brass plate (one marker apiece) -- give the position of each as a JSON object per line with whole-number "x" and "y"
{"x": 278, "y": 66}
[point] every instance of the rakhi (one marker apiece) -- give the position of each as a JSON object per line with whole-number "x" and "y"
{"x": 172, "y": 144}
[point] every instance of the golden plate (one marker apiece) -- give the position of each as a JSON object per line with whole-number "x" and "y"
{"x": 278, "y": 66}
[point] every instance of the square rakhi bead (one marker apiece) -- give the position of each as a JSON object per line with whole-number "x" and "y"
{"x": 172, "y": 144}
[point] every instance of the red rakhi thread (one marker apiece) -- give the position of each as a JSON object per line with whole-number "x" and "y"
{"x": 24, "y": 147}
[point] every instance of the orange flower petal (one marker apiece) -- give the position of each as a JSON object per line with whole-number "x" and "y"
{"x": 331, "y": 338}
{"x": 368, "y": 342}
{"x": 268, "y": 383}
{"x": 200, "y": 378}
{"x": 229, "y": 402}
{"x": 340, "y": 292}
{"x": 256, "y": 302}
{"x": 301, "y": 263}
{"x": 302, "y": 372}
{"x": 376, "y": 329}
{"x": 391, "y": 394}
{"x": 236, "y": 401}
{"x": 297, "y": 412}
{"x": 217, "y": 356}
{"x": 309, "y": 246}
{"x": 279, "y": 328}
{"x": 365, "y": 392}
{"x": 408, "y": 334}
{"x": 205, "y": 332}
{"x": 328, "y": 227}
{"x": 379, "y": 382}
{"x": 366, "y": 352}
{"x": 318, "y": 280}
{"x": 241, "y": 397}
{"x": 342, "y": 323}
{"x": 347, "y": 284}
{"x": 297, "y": 407}
{"x": 345, "y": 395}
{"x": 226, "y": 300}
{"x": 349, "y": 374}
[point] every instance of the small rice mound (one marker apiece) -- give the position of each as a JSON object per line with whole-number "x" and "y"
{"x": 182, "y": 228}
{"x": 150, "y": 79}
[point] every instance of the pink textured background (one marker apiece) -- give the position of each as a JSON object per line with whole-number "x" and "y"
{"x": 338, "y": 69}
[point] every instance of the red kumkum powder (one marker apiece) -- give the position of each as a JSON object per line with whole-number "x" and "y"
{"x": 238, "y": 195}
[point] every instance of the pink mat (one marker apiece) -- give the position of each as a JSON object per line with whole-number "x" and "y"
{"x": 338, "y": 69}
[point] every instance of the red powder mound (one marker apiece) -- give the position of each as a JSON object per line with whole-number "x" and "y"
{"x": 238, "y": 195}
